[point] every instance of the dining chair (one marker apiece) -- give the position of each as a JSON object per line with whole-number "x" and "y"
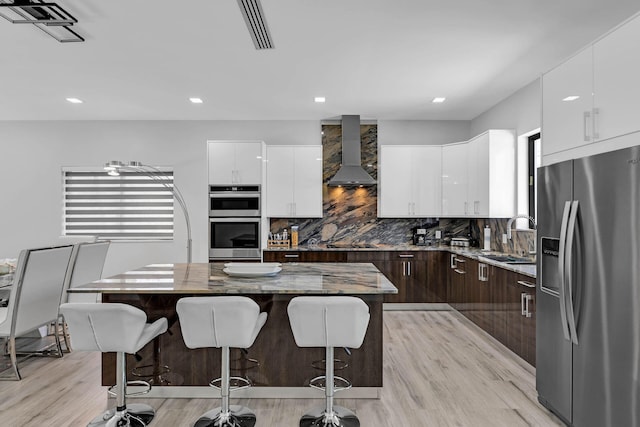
{"x": 86, "y": 265}
{"x": 35, "y": 296}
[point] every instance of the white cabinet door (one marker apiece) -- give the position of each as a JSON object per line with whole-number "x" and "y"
{"x": 567, "y": 124}
{"x": 478, "y": 150}
{"x": 235, "y": 162}
{"x": 307, "y": 194}
{"x": 221, "y": 162}
{"x": 616, "y": 68}
{"x": 280, "y": 181}
{"x": 294, "y": 181}
{"x": 395, "y": 191}
{"x": 427, "y": 180}
{"x": 248, "y": 163}
{"x": 454, "y": 180}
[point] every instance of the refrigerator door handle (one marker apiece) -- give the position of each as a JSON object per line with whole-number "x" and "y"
{"x": 569, "y": 268}
{"x": 562, "y": 268}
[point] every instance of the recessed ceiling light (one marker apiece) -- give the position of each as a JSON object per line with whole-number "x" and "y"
{"x": 319, "y": 99}
{"x": 74, "y": 100}
{"x": 571, "y": 98}
{"x": 438, "y": 100}
{"x": 196, "y": 100}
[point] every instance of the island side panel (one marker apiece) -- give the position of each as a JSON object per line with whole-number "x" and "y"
{"x": 281, "y": 362}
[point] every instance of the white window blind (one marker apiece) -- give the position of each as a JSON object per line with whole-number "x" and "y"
{"x": 132, "y": 206}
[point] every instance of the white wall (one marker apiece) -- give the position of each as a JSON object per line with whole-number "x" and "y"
{"x": 520, "y": 112}
{"x": 422, "y": 132}
{"x": 33, "y": 153}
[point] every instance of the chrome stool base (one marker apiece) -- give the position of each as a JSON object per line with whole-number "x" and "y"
{"x": 238, "y": 416}
{"x": 341, "y": 417}
{"x": 136, "y": 415}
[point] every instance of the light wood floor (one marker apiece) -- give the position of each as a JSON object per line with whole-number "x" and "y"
{"x": 440, "y": 370}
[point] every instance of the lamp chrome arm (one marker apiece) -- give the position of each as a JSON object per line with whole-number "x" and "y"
{"x": 158, "y": 175}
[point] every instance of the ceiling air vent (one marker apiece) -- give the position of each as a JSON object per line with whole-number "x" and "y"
{"x": 254, "y": 18}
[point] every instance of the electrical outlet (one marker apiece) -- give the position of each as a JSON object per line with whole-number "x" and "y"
{"x": 438, "y": 234}
{"x": 504, "y": 239}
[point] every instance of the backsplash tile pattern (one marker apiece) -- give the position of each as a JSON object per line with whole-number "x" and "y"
{"x": 350, "y": 214}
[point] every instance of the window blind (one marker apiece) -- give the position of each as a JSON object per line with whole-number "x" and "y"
{"x": 132, "y": 206}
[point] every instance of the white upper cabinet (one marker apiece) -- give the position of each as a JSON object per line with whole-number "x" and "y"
{"x": 235, "y": 162}
{"x": 455, "y": 180}
{"x": 616, "y": 67}
{"x": 294, "y": 181}
{"x": 566, "y": 104}
{"x": 410, "y": 181}
{"x": 602, "y": 81}
{"x": 492, "y": 175}
{"x": 478, "y": 176}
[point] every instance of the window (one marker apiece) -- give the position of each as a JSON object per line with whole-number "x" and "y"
{"x": 131, "y": 206}
{"x": 529, "y": 157}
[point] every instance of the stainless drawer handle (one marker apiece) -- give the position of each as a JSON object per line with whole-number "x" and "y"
{"x": 460, "y": 260}
{"x": 292, "y": 256}
{"x": 405, "y": 256}
{"x": 527, "y": 284}
{"x": 459, "y": 271}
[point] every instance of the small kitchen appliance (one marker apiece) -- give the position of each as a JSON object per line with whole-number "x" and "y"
{"x": 420, "y": 236}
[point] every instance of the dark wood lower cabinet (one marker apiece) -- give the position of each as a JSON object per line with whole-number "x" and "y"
{"x": 499, "y": 301}
{"x": 513, "y": 312}
{"x": 416, "y": 274}
{"x": 457, "y": 282}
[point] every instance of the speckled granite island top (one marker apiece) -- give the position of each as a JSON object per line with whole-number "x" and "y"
{"x": 205, "y": 278}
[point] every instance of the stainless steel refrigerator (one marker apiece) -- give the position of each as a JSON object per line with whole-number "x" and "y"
{"x": 588, "y": 293}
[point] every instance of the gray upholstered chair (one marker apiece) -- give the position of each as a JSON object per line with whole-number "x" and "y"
{"x": 329, "y": 321}
{"x": 35, "y": 295}
{"x": 222, "y": 322}
{"x": 119, "y": 328}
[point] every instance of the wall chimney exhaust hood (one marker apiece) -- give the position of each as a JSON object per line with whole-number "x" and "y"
{"x": 351, "y": 172}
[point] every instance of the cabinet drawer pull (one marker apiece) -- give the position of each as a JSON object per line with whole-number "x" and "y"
{"x": 523, "y": 310}
{"x": 459, "y": 271}
{"x": 453, "y": 261}
{"x": 292, "y": 256}
{"x": 460, "y": 260}
{"x": 527, "y": 284}
{"x": 405, "y": 256}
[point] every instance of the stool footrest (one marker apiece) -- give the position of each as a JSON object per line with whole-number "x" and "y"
{"x": 111, "y": 391}
{"x": 235, "y": 383}
{"x": 338, "y": 382}
{"x": 338, "y": 364}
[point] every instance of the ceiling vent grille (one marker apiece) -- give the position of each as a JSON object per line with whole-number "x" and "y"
{"x": 254, "y": 18}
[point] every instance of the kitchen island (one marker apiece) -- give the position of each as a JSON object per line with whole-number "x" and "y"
{"x": 274, "y": 364}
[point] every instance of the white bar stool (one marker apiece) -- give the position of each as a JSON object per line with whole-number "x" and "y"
{"x": 119, "y": 328}
{"x": 222, "y": 322}
{"x": 329, "y": 322}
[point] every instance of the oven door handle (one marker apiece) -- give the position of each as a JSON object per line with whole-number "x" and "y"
{"x": 238, "y": 219}
{"x": 233, "y": 195}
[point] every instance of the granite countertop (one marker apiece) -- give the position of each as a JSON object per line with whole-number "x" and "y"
{"x": 206, "y": 278}
{"x": 475, "y": 253}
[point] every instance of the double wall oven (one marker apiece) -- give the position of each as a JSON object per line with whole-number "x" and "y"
{"x": 234, "y": 222}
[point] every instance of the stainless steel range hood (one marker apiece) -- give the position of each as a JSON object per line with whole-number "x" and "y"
{"x": 351, "y": 172}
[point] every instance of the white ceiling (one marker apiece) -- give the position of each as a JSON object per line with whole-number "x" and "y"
{"x": 382, "y": 59}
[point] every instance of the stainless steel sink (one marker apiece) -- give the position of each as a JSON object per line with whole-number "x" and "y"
{"x": 509, "y": 259}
